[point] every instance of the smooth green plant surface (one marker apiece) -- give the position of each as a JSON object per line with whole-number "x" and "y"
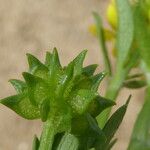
{"x": 132, "y": 37}
{"x": 140, "y": 139}
{"x": 126, "y": 60}
{"x": 67, "y": 102}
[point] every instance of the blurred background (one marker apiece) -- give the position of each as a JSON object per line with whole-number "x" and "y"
{"x": 36, "y": 27}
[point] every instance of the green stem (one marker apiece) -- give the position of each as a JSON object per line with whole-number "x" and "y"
{"x": 48, "y": 134}
{"x": 115, "y": 85}
{"x": 112, "y": 92}
{"x": 102, "y": 43}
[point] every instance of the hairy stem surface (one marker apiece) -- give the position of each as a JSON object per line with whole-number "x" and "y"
{"x": 48, "y": 134}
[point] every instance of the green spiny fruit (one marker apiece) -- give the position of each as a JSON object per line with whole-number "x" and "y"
{"x": 50, "y": 87}
{"x": 65, "y": 96}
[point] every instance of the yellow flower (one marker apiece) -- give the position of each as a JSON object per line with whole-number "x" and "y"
{"x": 112, "y": 16}
{"x": 109, "y": 35}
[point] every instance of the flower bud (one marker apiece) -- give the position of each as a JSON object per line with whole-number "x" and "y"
{"x": 112, "y": 14}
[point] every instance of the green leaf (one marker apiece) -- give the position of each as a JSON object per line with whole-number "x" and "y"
{"x": 48, "y": 59}
{"x": 55, "y": 58}
{"x": 134, "y": 76}
{"x": 54, "y": 64}
{"x": 52, "y": 59}
{"x": 86, "y": 129}
{"x": 82, "y": 82}
{"x": 140, "y": 139}
{"x": 38, "y": 88}
{"x": 81, "y": 100}
{"x": 69, "y": 71}
{"x": 89, "y": 70}
{"x": 19, "y": 85}
{"x": 79, "y": 125}
{"x": 78, "y": 61}
{"x": 44, "y": 109}
{"x": 64, "y": 79}
{"x": 57, "y": 140}
{"x": 125, "y": 32}
{"x": 114, "y": 122}
{"x": 68, "y": 142}
{"x": 125, "y": 36}
{"x": 101, "y": 38}
{"x": 91, "y": 83}
{"x": 133, "y": 60}
{"x": 95, "y": 131}
{"x": 134, "y": 84}
{"x": 142, "y": 36}
{"x": 22, "y": 106}
{"x": 54, "y": 68}
{"x": 98, "y": 105}
{"x": 36, "y": 67}
{"x": 36, "y": 143}
{"x": 68, "y": 74}
{"x": 111, "y": 144}
{"x": 97, "y": 80}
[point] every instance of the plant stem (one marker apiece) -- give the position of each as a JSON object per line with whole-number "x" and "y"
{"x": 102, "y": 43}
{"x": 112, "y": 93}
{"x": 48, "y": 134}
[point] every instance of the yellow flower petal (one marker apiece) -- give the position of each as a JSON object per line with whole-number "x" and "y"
{"x": 109, "y": 35}
{"x": 112, "y": 16}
